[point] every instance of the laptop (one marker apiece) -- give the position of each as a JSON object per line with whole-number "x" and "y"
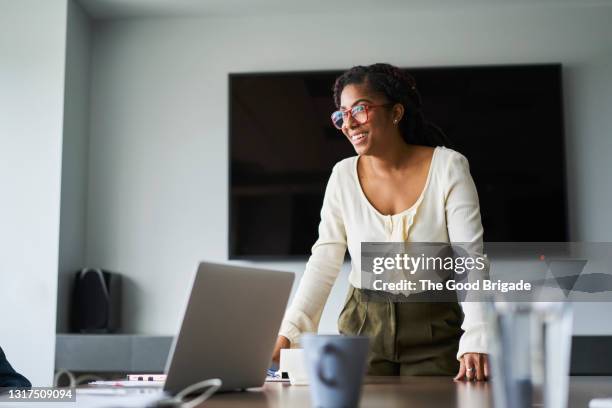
{"x": 229, "y": 327}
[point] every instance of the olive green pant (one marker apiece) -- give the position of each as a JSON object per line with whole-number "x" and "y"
{"x": 406, "y": 338}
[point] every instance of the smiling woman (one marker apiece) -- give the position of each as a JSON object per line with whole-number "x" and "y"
{"x": 404, "y": 185}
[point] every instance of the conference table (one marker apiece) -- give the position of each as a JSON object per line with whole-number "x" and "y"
{"x": 413, "y": 392}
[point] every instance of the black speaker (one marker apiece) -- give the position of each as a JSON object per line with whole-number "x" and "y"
{"x": 96, "y": 301}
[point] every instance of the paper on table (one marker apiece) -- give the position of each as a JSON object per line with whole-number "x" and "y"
{"x": 601, "y": 403}
{"x": 116, "y": 397}
{"x": 276, "y": 379}
{"x": 127, "y": 383}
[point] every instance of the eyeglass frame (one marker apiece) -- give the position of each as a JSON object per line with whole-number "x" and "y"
{"x": 349, "y": 112}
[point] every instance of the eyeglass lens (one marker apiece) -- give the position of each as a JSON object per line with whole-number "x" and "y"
{"x": 358, "y": 113}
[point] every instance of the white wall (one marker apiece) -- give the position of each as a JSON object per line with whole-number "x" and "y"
{"x": 32, "y": 55}
{"x": 74, "y": 157}
{"x": 158, "y": 149}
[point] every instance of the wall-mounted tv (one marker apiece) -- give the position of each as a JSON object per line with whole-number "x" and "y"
{"x": 507, "y": 120}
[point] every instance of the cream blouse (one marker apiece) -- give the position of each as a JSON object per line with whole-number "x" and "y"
{"x": 446, "y": 211}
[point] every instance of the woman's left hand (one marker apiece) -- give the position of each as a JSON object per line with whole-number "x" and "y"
{"x": 473, "y": 366}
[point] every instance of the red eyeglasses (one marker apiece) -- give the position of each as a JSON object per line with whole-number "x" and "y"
{"x": 359, "y": 113}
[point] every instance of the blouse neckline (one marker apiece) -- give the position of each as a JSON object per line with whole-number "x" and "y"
{"x": 414, "y": 206}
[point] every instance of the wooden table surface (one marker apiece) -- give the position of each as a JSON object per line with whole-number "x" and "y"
{"x": 413, "y": 392}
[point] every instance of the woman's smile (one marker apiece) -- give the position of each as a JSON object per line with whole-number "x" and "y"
{"x": 358, "y": 138}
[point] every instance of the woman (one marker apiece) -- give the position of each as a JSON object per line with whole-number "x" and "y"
{"x": 399, "y": 187}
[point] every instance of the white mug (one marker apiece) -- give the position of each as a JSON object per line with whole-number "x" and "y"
{"x": 292, "y": 362}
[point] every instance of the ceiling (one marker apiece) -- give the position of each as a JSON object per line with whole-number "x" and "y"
{"x": 102, "y": 9}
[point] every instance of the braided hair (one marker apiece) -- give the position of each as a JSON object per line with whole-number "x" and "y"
{"x": 399, "y": 87}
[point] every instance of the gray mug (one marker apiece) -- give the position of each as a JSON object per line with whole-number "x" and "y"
{"x": 336, "y": 366}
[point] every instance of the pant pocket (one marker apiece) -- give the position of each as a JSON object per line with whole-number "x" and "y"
{"x": 353, "y": 315}
{"x": 445, "y": 322}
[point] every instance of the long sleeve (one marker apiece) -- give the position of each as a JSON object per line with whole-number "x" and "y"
{"x": 464, "y": 226}
{"x": 321, "y": 270}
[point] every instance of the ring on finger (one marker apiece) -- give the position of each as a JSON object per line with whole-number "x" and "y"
{"x": 470, "y": 373}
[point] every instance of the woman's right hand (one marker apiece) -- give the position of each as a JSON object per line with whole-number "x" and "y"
{"x": 281, "y": 343}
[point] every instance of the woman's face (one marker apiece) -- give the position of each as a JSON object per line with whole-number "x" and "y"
{"x": 371, "y": 136}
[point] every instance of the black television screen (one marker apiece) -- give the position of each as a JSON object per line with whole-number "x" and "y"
{"x": 507, "y": 120}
